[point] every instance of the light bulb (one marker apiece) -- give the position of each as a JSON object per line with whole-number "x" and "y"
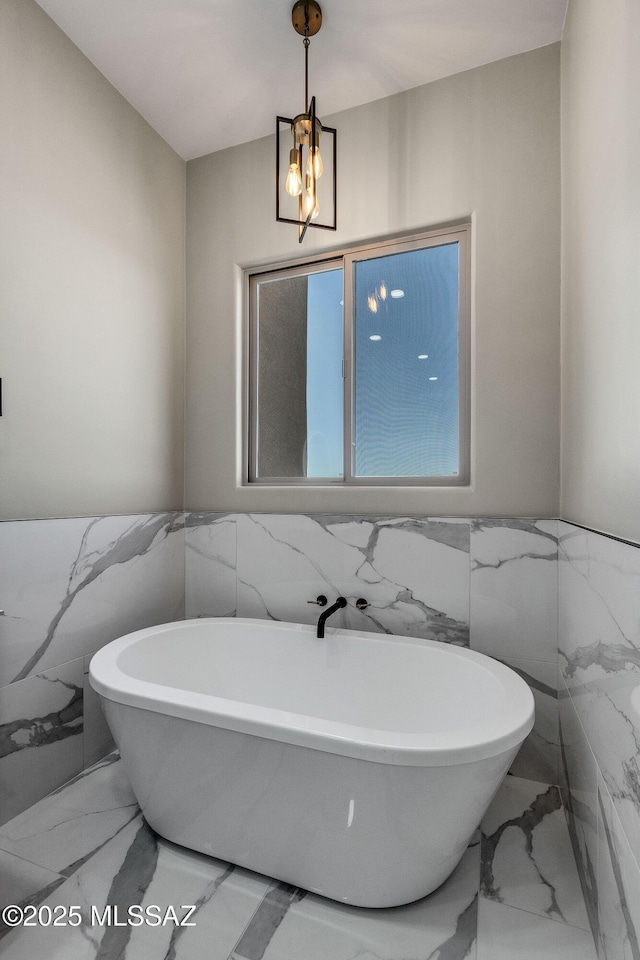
{"x": 309, "y": 202}
{"x": 383, "y": 292}
{"x": 372, "y": 303}
{"x": 293, "y": 186}
{"x": 315, "y": 166}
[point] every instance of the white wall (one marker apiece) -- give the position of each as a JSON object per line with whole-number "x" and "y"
{"x": 485, "y": 144}
{"x": 91, "y": 287}
{"x": 601, "y": 266}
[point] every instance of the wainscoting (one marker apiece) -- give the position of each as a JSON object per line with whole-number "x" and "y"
{"x": 67, "y": 588}
{"x": 599, "y": 647}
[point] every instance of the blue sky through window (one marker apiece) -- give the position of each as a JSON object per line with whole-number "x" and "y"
{"x": 324, "y": 374}
{"x": 406, "y": 377}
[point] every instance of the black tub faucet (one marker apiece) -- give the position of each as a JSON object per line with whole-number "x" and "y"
{"x": 340, "y": 602}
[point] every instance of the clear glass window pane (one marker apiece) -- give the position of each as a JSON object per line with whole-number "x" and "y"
{"x": 325, "y": 392}
{"x": 299, "y": 376}
{"x": 406, "y": 366}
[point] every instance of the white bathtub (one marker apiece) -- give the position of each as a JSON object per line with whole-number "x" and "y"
{"x": 357, "y": 766}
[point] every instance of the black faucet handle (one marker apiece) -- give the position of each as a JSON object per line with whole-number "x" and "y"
{"x": 320, "y": 600}
{"x": 362, "y": 604}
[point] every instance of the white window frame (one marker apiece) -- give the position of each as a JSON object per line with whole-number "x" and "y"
{"x": 347, "y": 259}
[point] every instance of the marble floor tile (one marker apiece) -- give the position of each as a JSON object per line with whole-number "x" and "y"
{"x": 88, "y": 845}
{"x": 506, "y": 933}
{"x": 527, "y": 861}
{"x": 136, "y": 868}
{"x": 442, "y": 925}
{"x": 20, "y": 880}
{"x": 72, "y": 823}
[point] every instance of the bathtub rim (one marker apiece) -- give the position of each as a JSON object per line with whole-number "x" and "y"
{"x": 363, "y": 743}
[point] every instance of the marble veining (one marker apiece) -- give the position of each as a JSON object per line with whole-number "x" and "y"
{"x": 606, "y": 575}
{"x": 506, "y": 934}
{"x": 266, "y": 920}
{"x": 210, "y": 565}
{"x": 619, "y": 887}
{"x": 527, "y": 860}
{"x": 41, "y": 735}
{"x": 413, "y": 573}
{"x": 88, "y": 844}
{"x": 514, "y": 588}
{"x": 27, "y": 732}
{"x": 66, "y": 828}
{"x": 68, "y": 587}
{"x": 439, "y": 927}
{"x": 533, "y": 528}
{"x": 71, "y": 585}
{"x": 579, "y": 778}
{"x": 599, "y": 645}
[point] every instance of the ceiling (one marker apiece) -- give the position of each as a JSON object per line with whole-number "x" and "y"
{"x": 208, "y": 74}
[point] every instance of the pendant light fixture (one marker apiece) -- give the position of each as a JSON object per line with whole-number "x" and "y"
{"x": 305, "y": 166}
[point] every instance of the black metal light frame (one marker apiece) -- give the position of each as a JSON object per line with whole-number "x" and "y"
{"x": 302, "y": 221}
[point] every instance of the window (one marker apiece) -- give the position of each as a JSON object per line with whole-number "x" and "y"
{"x": 358, "y": 366}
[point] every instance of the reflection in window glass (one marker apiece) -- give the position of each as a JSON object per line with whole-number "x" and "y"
{"x": 406, "y": 364}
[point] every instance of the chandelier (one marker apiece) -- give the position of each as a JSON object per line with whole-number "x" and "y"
{"x": 305, "y": 177}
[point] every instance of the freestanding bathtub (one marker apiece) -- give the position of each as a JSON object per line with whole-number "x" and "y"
{"x": 357, "y": 766}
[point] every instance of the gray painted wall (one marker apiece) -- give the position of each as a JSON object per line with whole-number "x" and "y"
{"x": 483, "y": 144}
{"x": 601, "y": 275}
{"x": 91, "y": 287}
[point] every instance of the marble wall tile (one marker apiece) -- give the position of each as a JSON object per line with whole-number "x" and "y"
{"x": 41, "y": 739}
{"x": 599, "y": 647}
{"x": 579, "y": 788}
{"x": 618, "y": 886}
{"x": 69, "y": 586}
{"x": 527, "y": 860}
{"x": 98, "y": 741}
{"x": 539, "y": 756}
{"x": 210, "y": 565}
{"x": 505, "y": 933}
{"x": 414, "y": 573}
{"x": 514, "y": 588}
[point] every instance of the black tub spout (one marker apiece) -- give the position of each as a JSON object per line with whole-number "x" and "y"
{"x": 340, "y": 602}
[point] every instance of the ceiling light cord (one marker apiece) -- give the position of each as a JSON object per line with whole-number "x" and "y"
{"x": 306, "y": 62}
